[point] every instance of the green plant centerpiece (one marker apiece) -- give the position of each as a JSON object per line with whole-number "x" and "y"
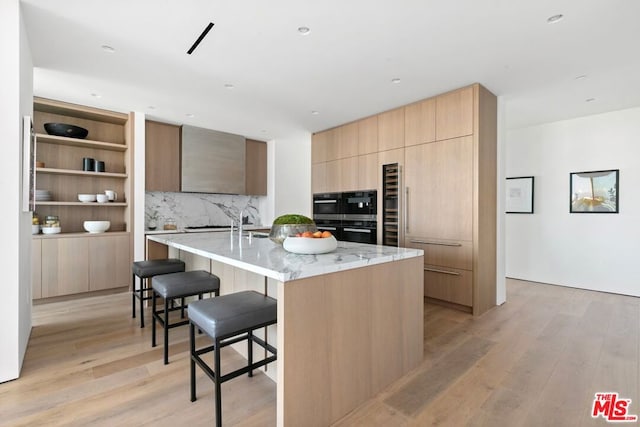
{"x": 290, "y": 225}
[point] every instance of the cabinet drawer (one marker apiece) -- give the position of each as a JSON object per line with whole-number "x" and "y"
{"x": 448, "y": 284}
{"x": 446, "y": 253}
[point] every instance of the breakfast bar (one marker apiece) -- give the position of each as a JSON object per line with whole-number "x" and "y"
{"x": 350, "y": 322}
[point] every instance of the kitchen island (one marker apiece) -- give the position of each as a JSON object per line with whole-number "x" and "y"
{"x": 350, "y": 322}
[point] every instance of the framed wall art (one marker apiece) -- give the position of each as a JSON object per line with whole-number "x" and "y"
{"x": 519, "y": 197}
{"x": 594, "y": 191}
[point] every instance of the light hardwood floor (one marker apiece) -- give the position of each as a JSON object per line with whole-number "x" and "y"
{"x": 535, "y": 361}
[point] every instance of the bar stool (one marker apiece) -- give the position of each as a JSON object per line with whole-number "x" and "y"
{"x": 229, "y": 319}
{"x": 146, "y": 270}
{"x": 178, "y": 285}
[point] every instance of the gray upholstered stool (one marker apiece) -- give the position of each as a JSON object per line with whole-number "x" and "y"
{"x": 146, "y": 270}
{"x": 229, "y": 319}
{"x": 178, "y": 285}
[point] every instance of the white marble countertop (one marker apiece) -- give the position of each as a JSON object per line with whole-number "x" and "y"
{"x": 264, "y": 257}
{"x": 246, "y": 227}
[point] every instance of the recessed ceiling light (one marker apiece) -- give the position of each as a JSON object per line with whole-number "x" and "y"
{"x": 96, "y": 95}
{"x": 304, "y": 30}
{"x": 590, "y": 99}
{"x": 581, "y": 77}
{"x": 229, "y": 86}
{"x": 315, "y": 113}
{"x": 555, "y": 18}
{"x": 151, "y": 107}
{"x": 395, "y": 81}
{"x": 108, "y": 48}
{"x": 190, "y": 115}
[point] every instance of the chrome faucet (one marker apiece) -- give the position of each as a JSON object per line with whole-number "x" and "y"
{"x": 240, "y": 223}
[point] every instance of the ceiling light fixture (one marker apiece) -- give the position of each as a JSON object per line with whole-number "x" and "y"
{"x": 199, "y": 39}
{"x": 229, "y": 86}
{"x": 590, "y": 99}
{"x": 581, "y": 77}
{"x": 315, "y": 113}
{"x": 555, "y": 18}
{"x": 395, "y": 81}
{"x": 107, "y": 48}
{"x": 304, "y": 30}
{"x": 151, "y": 107}
{"x": 96, "y": 95}
{"x": 190, "y": 115}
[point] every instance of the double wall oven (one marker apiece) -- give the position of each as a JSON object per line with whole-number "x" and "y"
{"x": 350, "y": 216}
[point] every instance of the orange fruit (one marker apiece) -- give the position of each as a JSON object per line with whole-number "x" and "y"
{"x": 326, "y": 234}
{"x": 317, "y": 234}
{"x": 307, "y": 234}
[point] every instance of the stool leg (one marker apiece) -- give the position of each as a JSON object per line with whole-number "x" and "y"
{"x": 133, "y": 296}
{"x": 166, "y": 333}
{"x": 218, "y": 385}
{"x": 250, "y": 352}
{"x": 182, "y": 308}
{"x": 192, "y": 363}
{"x": 153, "y": 318}
{"x": 143, "y": 284}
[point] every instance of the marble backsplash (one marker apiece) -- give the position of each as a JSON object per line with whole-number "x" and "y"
{"x": 196, "y": 209}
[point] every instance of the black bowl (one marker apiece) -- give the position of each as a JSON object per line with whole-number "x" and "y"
{"x": 63, "y": 129}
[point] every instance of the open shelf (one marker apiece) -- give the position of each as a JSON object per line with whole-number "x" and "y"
{"x": 85, "y": 204}
{"x": 80, "y": 173}
{"x": 76, "y": 142}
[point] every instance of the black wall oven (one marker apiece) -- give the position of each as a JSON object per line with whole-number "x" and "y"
{"x": 349, "y": 216}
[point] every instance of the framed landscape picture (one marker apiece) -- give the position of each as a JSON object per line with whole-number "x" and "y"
{"x": 519, "y": 195}
{"x": 594, "y": 192}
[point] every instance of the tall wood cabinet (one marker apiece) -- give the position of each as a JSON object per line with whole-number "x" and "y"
{"x": 62, "y": 262}
{"x": 445, "y": 147}
{"x": 162, "y": 157}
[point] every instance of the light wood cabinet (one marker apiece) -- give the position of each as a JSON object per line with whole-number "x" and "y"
{"x": 368, "y": 135}
{"x": 319, "y": 177}
{"x": 439, "y": 189}
{"x": 36, "y": 269}
{"x": 368, "y": 172}
{"x": 454, "y": 113}
{"x": 330, "y": 138}
{"x": 347, "y": 140}
{"x": 109, "y": 262}
{"x": 420, "y": 122}
{"x": 448, "y": 284}
{"x": 162, "y": 157}
{"x": 333, "y": 179}
{"x": 391, "y": 129}
{"x": 319, "y": 147}
{"x": 349, "y": 176}
{"x": 256, "y": 168}
{"x": 65, "y": 266}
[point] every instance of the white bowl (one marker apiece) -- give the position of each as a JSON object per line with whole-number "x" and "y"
{"x": 310, "y": 245}
{"x": 51, "y": 230}
{"x": 96, "y": 226}
{"x": 87, "y": 197}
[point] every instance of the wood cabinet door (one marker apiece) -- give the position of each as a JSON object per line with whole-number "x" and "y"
{"x": 439, "y": 189}
{"x": 347, "y": 140}
{"x": 348, "y": 174}
{"x": 454, "y": 114}
{"x": 368, "y": 135}
{"x": 391, "y": 129}
{"x": 319, "y": 178}
{"x": 420, "y": 122}
{"x": 319, "y": 147}
{"x": 109, "y": 262}
{"x": 36, "y": 268}
{"x": 368, "y": 172}
{"x": 65, "y": 266}
{"x": 162, "y": 157}
{"x": 448, "y": 284}
{"x": 256, "y": 168}
{"x": 331, "y": 141}
{"x": 333, "y": 177}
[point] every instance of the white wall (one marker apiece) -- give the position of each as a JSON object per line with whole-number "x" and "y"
{"x": 590, "y": 251}
{"x": 291, "y": 186}
{"x": 16, "y": 80}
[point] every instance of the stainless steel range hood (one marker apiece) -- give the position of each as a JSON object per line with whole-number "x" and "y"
{"x": 212, "y": 161}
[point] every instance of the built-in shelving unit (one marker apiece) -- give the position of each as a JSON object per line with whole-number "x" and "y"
{"x": 75, "y": 261}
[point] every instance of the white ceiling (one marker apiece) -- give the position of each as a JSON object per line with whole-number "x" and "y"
{"x": 343, "y": 68}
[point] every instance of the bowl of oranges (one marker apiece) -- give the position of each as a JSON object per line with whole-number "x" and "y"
{"x": 311, "y": 243}
{"x": 290, "y": 225}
